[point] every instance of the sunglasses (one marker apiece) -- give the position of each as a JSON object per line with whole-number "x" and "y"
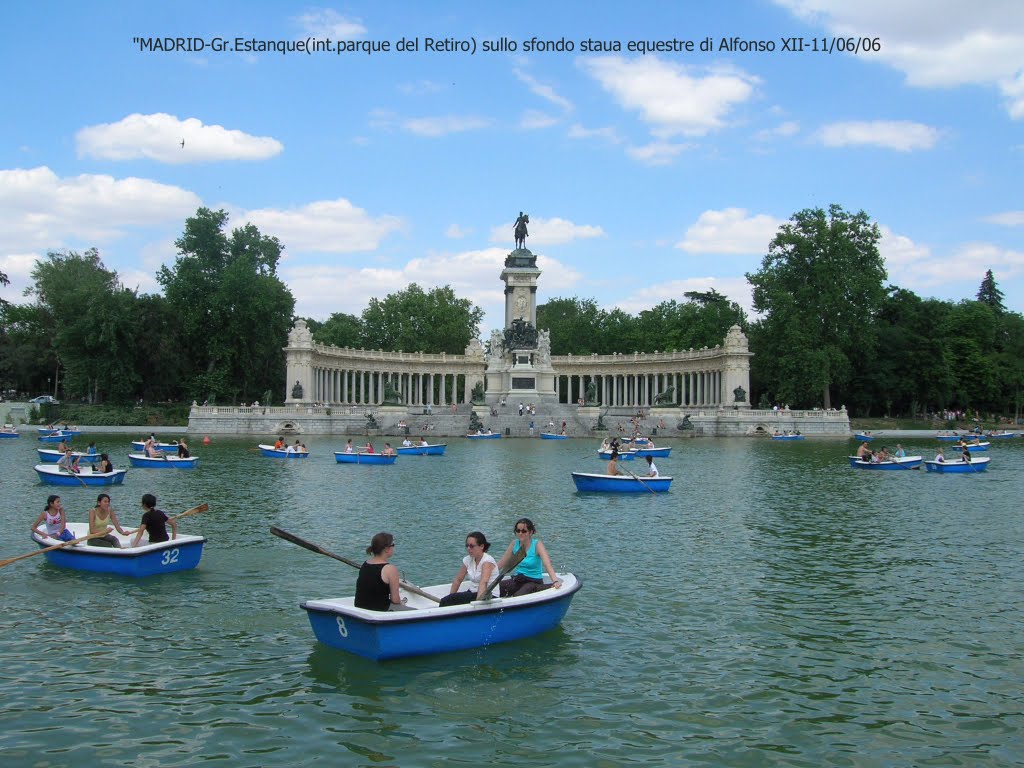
{"x": 470, "y": 545}
{"x": 522, "y": 530}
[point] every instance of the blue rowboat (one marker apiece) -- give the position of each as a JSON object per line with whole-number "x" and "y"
{"x": 588, "y": 482}
{"x": 948, "y": 438}
{"x": 990, "y": 435}
{"x": 653, "y": 452}
{"x": 51, "y": 474}
{"x": 140, "y": 445}
{"x": 962, "y": 467}
{"x": 906, "y": 462}
{"x": 363, "y": 458}
{"x": 279, "y": 453}
{"x": 56, "y": 437}
{"x": 9, "y": 433}
{"x": 180, "y": 554}
{"x": 862, "y": 436}
{"x": 51, "y": 430}
{"x": 485, "y": 436}
{"x": 627, "y": 455}
{"x": 791, "y": 437}
{"x": 552, "y": 436}
{"x": 383, "y": 635}
{"x": 972, "y": 447}
{"x": 167, "y": 462}
{"x": 52, "y": 456}
{"x": 422, "y": 450}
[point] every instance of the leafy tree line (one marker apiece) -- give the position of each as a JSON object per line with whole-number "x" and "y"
{"x": 830, "y": 330}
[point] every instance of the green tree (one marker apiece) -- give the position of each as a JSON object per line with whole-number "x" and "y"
{"x": 233, "y": 311}
{"x": 574, "y": 324}
{"x": 413, "y": 321}
{"x": 819, "y": 287}
{"x": 989, "y": 293}
{"x": 339, "y": 329}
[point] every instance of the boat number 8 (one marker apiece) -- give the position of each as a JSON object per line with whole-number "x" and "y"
{"x": 170, "y": 557}
{"x": 342, "y": 629}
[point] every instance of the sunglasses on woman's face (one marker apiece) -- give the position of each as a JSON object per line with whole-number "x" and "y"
{"x": 522, "y": 530}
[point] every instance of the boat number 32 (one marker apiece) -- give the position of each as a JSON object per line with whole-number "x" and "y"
{"x": 342, "y": 629}
{"x": 170, "y": 557}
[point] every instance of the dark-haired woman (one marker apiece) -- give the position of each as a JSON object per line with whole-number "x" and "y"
{"x": 478, "y": 566}
{"x": 377, "y": 583}
{"x": 103, "y": 519}
{"x": 529, "y": 575}
{"x": 55, "y": 520}
{"x": 154, "y": 522}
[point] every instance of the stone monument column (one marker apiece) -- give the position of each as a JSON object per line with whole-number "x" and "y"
{"x": 299, "y": 353}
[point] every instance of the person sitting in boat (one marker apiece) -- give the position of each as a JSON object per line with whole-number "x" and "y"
{"x": 388, "y": 450}
{"x": 368, "y": 448}
{"x": 91, "y": 450}
{"x": 104, "y": 464}
{"x": 183, "y": 452}
{"x": 478, "y": 566}
{"x": 68, "y": 462}
{"x": 55, "y": 520}
{"x": 940, "y": 457}
{"x": 900, "y": 453}
{"x": 377, "y": 583}
{"x": 529, "y": 575}
{"x": 348, "y": 446}
{"x": 407, "y": 443}
{"x": 279, "y": 445}
{"x": 883, "y": 454}
{"x": 302, "y": 448}
{"x": 154, "y": 522}
{"x": 289, "y": 449}
{"x": 652, "y": 471}
{"x": 863, "y": 452}
{"x": 965, "y": 455}
{"x": 63, "y": 446}
{"x": 298, "y": 447}
{"x": 151, "y": 450}
{"x": 423, "y": 442}
{"x": 101, "y": 518}
{"x": 613, "y": 463}
{"x": 562, "y": 432}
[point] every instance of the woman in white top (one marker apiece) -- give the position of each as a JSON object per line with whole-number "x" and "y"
{"x": 478, "y": 566}
{"x": 55, "y": 521}
{"x": 652, "y": 471}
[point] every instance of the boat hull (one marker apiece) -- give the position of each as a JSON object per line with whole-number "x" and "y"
{"x": 788, "y": 437}
{"x": 492, "y": 436}
{"x": 972, "y": 447}
{"x": 167, "y": 462}
{"x": 180, "y": 554}
{"x": 139, "y": 446}
{"x": 907, "y": 462}
{"x": 52, "y": 456}
{"x": 861, "y": 436}
{"x": 9, "y": 435}
{"x": 363, "y": 458}
{"x": 56, "y": 437}
{"x": 948, "y": 438}
{"x": 592, "y": 483}
{"x": 430, "y": 629}
{"x": 422, "y": 450}
{"x": 50, "y": 474}
{"x": 656, "y": 453}
{"x": 551, "y": 436}
{"x": 275, "y": 453}
{"x": 958, "y": 467}
{"x": 626, "y": 455}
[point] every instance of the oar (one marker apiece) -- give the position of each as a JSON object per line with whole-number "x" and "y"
{"x": 320, "y": 550}
{"x": 515, "y": 560}
{"x": 194, "y": 511}
{"x": 10, "y": 560}
{"x": 645, "y": 485}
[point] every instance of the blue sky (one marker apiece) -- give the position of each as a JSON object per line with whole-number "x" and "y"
{"x": 645, "y": 175}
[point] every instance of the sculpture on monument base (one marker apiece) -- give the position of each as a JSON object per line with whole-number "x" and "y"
{"x": 297, "y": 391}
{"x": 739, "y": 395}
{"x": 591, "y": 394}
{"x": 497, "y": 346}
{"x": 475, "y": 425}
{"x": 544, "y": 347}
{"x": 685, "y": 424}
{"x": 520, "y": 335}
{"x": 478, "y": 393}
{"x": 666, "y": 397}
{"x": 391, "y": 395}
{"x": 521, "y": 232}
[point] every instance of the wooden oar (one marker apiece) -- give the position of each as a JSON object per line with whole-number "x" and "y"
{"x": 194, "y": 511}
{"x": 645, "y": 485}
{"x": 10, "y": 560}
{"x": 280, "y": 533}
{"x": 515, "y": 560}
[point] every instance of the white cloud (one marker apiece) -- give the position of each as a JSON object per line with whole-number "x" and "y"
{"x": 967, "y": 264}
{"x": 735, "y": 288}
{"x": 327, "y": 23}
{"x": 532, "y": 120}
{"x": 781, "y": 131}
{"x": 901, "y": 135}
{"x": 456, "y": 232}
{"x": 668, "y": 97}
{"x": 609, "y": 134}
{"x": 546, "y": 92}
{"x": 443, "y": 125}
{"x": 657, "y": 152}
{"x": 159, "y": 136}
{"x": 731, "y": 230}
{"x": 553, "y": 231}
{"x": 935, "y": 43}
{"x": 41, "y": 211}
{"x": 1007, "y": 219}
{"x": 324, "y": 226}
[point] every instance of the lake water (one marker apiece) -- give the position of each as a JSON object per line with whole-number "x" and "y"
{"x": 776, "y": 608}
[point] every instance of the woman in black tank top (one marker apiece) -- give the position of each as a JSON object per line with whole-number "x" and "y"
{"x": 377, "y": 584}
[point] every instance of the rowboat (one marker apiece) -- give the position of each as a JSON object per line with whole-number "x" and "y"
{"x": 56, "y": 437}
{"x": 863, "y": 436}
{"x": 983, "y": 446}
{"x": 383, "y": 635}
{"x": 422, "y": 450}
{"x": 552, "y": 436}
{"x": 363, "y": 458}
{"x": 948, "y": 438}
{"x": 974, "y": 465}
{"x": 180, "y": 554}
{"x": 791, "y": 437}
{"x": 52, "y": 456}
{"x": 653, "y": 452}
{"x": 1000, "y": 435}
{"x": 280, "y": 453}
{"x": 626, "y": 455}
{"x": 169, "y": 461}
{"x": 9, "y": 432}
{"x": 589, "y": 482}
{"x": 485, "y": 436}
{"x": 904, "y": 462}
{"x": 65, "y": 430}
{"x": 51, "y": 474}
{"x": 140, "y": 445}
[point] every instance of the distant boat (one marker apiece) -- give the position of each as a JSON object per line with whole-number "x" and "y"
{"x": 56, "y": 437}
{"x": 51, "y": 474}
{"x": 653, "y": 452}
{"x": 904, "y": 462}
{"x": 999, "y": 435}
{"x": 626, "y": 455}
{"x": 280, "y": 453}
{"x": 140, "y": 445}
{"x": 178, "y": 554}
{"x": 793, "y": 437}
{"x": 170, "y": 461}
{"x": 363, "y": 458}
{"x": 421, "y": 450}
{"x": 863, "y": 436}
{"x": 589, "y": 482}
{"x": 552, "y": 436}
{"x": 52, "y": 456}
{"x": 982, "y": 446}
{"x": 9, "y": 431}
{"x": 66, "y": 430}
{"x": 979, "y": 464}
{"x": 485, "y": 436}
{"x": 948, "y": 438}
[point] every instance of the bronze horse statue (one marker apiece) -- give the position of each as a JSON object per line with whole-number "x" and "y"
{"x": 521, "y": 233}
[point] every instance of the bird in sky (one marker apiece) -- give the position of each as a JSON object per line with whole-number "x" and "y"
{"x": 182, "y": 143}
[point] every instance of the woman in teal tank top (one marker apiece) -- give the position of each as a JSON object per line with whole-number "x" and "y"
{"x": 529, "y": 575}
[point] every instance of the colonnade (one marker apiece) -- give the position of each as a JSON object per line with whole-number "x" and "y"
{"x": 353, "y": 386}
{"x": 691, "y": 389}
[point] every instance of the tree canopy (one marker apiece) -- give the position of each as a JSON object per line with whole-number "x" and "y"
{"x": 412, "y": 320}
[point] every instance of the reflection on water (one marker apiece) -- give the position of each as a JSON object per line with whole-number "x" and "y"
{"x": 776, "y": 608}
